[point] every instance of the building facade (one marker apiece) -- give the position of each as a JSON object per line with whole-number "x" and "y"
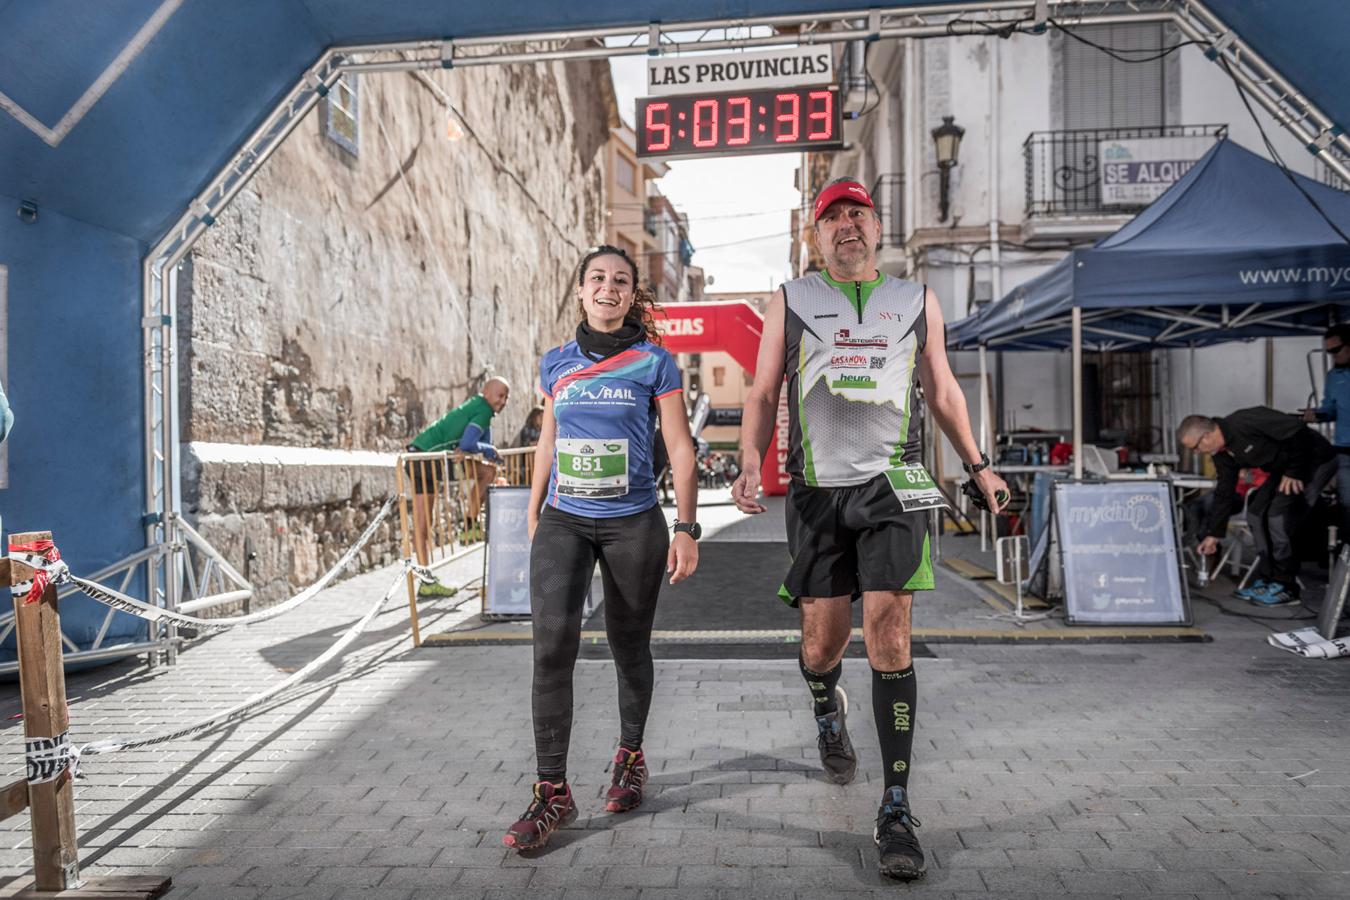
{"x": 722, "y": 378}
{"x": 412, "y": 238}
{"x": 630, "y": 182}
{"x": 1035, "y": 112}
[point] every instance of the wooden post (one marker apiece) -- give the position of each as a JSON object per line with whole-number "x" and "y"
{"x": 408, "y": 548}
{"x": 42, "y": 684}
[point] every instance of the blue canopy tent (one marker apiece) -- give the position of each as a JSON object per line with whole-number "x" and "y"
{"x": 125, "y": 126}
{"x": 1232, "y": 251}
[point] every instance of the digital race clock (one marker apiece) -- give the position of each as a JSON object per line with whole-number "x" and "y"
{"x": 771, "y": 120}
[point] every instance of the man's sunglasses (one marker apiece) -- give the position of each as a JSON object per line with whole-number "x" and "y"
{"x": 1332, "y": 351}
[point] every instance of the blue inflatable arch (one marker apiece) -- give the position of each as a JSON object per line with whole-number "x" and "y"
{"x": 127, "y": 127}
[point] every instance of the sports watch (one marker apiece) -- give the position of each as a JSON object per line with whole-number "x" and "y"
{"x": 693, "y": 529}
{"x": 977, "y": 467}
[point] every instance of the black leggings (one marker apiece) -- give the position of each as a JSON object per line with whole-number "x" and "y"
{"x": 631, "y": 551}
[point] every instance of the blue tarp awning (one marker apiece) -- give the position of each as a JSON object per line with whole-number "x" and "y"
{"x": 1232, "y": 251}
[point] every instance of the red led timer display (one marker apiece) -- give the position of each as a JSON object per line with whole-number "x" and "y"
{"x": 763, "y": 121}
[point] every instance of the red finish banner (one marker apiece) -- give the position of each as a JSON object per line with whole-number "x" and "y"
{"x": 734, "y": 327}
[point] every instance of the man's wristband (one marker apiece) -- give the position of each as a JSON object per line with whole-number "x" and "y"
{"x": 978, "y": 467}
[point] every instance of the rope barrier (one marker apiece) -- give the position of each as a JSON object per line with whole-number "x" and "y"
{"x": 50, "y": 758}
{"x": 59, "y": 573}
{"x": 113, "y": 746}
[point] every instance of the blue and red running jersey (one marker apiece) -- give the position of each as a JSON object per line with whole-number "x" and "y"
{"x": 601, "y": 403}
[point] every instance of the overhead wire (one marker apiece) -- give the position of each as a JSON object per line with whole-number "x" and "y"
{"x": 1117, "y": 53}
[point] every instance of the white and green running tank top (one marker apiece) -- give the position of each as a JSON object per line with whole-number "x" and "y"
{"x": 851, "y": 353}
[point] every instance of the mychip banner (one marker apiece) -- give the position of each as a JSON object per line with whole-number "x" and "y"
{"x": 1119, "y": 548}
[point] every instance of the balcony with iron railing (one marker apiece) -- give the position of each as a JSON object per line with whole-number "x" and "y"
{"x": 1064, "y": 172}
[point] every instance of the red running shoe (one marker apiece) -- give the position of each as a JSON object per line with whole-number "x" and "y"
{"x": 551, "y": 809}
{"x": 630, "y": 775}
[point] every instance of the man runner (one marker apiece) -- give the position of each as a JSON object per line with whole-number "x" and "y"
{"x": 857, "y": 505}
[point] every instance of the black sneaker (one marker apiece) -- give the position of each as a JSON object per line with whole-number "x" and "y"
{"x": 836, "y": 750}
{"x": 900, "y": 854}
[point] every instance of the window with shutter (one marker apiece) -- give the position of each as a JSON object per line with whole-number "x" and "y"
{"x": 1102, "y": 92}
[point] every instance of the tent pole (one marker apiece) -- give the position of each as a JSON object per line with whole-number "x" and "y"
{"x": 1077, "y": 393}
{"x": 988, "y": 421}
{"x": 1190, "y": 398}
{"x": 984, "y": 438}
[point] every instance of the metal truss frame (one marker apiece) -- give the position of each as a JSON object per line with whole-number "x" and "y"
{"x": 207, "y": 580}
{"x": 168, "y": 564}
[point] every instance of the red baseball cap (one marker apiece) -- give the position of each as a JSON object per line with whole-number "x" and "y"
{"x": 842, "y": 190}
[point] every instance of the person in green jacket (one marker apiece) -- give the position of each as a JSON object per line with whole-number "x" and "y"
{"x": 468, "y": 429}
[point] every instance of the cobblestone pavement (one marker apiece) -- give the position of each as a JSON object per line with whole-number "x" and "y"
{"x": 1187, "y": 770}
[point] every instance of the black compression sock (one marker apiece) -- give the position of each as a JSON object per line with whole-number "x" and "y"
{"x": 821, "y": 685}
{"x": 894, "y": 695}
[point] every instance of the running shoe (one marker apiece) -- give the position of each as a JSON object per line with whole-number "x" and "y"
{"x": 431, "y": 590}
{"x": 551, "y": 809}
{"x": 625, "y": 787}
{"x": 1250, "y": 590}
{"x": 1272, "y": 594}
{"x": 836, "y": 750}
{"x": 900, "y": 855}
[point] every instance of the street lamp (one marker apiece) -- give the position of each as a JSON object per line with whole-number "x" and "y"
{"x": 947, "y": 138}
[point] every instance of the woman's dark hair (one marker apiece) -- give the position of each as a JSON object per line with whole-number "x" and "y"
{"x": 644, "y": 304}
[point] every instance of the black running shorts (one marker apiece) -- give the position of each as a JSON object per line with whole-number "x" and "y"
{"x": 846, "y": 540}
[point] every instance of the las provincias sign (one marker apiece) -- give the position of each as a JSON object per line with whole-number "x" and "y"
{"x": 715, "y": 73}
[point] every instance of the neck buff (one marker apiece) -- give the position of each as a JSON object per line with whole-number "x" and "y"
{"x": 601, "y": 345}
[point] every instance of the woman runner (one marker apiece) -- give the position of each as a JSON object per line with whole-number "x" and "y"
{"x": 593, "y": 479}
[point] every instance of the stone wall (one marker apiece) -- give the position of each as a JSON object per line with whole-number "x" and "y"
{"x": 345, "y": 301}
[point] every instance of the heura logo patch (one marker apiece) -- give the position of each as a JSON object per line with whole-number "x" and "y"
{"x": 842, "y": 338}
{"x": 863, "y": 382}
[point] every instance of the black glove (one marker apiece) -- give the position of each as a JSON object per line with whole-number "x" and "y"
{"x": 976, "y": 496}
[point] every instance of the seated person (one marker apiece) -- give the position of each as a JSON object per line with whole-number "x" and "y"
{"x": 529, "y": 432}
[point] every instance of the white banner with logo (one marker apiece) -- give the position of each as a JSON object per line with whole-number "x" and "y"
{"x": 1137, "y": 171}
{"x": 722, "y": 72}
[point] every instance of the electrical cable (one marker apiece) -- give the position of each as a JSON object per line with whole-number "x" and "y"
{"x": 1115, "y": 52}
{"x": 1158, "y": 53}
